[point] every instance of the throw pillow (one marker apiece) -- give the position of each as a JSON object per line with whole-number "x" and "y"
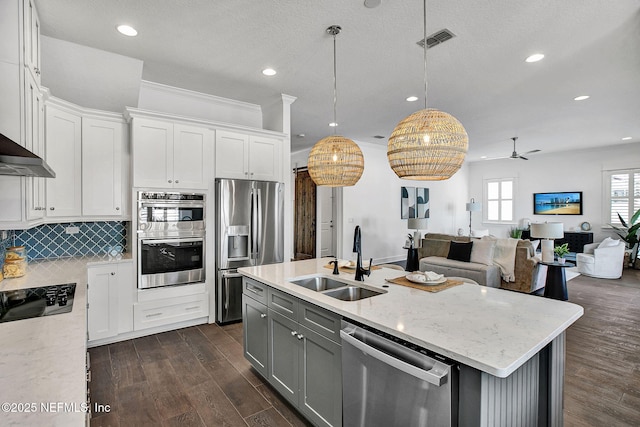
{"x": 460, "y": 251}
{"x": 482, "y": 252}
{"x": 608, "y": 243}
{"x": 535, "y": 244}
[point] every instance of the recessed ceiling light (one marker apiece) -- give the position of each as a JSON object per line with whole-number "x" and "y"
{"x": 127, "y": 30}
{"x": 581, "y": 98}
{"x": 535, "y": 57}
{"x": 412, "y": 98}
{"x": 269, "y": 72}
{"x": 333, "y": 124}
{"x": 483, "y": 157}
{"x": 626, "y": 138}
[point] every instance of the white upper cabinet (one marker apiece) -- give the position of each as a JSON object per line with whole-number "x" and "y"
{"x": 167, "y": 155}
{"x": 34, "y": 141}
{"x": 264, "y": 158}
{"x": 103, "y": 174}
{"x": 31, "y": 31}
{"x": 232, "y": 155}
{"x": 64, "y": 155}
{"x": 247, "y": 156}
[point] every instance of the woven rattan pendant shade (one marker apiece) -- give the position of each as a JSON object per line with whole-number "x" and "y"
{"x": 428, "y": 145}
{"x": 335, "y": 161}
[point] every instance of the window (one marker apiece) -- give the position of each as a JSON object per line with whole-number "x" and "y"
{"x": 623, "y": 194}
{"x": 499, "y": 199}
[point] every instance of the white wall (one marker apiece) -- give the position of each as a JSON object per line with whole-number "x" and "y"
{"x": 374, "y": 204}
{"x": 90, "y": 77}
{"x": 578, "y": 170}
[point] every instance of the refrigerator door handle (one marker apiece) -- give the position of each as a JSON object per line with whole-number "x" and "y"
{"x": 259, "y": 221}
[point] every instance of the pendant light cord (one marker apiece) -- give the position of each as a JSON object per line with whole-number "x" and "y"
{"x": 335, "y": 83}
{"x": 425, "y": 52}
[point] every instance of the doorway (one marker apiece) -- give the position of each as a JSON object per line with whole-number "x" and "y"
{"x": 304, "y": 230}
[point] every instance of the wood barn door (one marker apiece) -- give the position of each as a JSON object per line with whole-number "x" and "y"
{"x": 305, "y": 217}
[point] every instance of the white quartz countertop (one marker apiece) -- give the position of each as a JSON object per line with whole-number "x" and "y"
{"x": 43, "y": 359}
{"x": 493, "y": 330}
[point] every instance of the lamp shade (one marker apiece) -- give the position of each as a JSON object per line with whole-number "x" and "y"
{"x": 335, "y": 161}
{"x": 417, "y": 223}
{"x": 428, "y": 145}
{"x": 547, "y": 230}
{"x": 474, "y": 206}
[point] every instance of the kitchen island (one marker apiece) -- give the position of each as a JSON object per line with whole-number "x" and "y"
{"x": 501, "y": 339}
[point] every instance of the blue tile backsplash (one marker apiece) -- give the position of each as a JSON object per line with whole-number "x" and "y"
{"x": 50, "y": 241}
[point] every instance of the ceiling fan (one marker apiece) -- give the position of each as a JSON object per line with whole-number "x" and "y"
{"x": 515, "y": 154}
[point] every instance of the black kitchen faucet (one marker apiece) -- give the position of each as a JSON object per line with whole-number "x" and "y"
{"x": 357, "y": 247}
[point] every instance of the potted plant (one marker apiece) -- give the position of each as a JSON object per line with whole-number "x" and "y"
{"x": 561, "y": 251}
{"x": 629, "y": 233}
{"x": 515, "y": 232}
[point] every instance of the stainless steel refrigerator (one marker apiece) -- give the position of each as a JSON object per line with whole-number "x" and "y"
{"x": 249, "y": 231}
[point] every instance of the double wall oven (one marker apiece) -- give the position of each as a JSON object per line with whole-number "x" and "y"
{"x": 171, "y": 238}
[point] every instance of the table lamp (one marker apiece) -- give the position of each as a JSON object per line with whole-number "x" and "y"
{"x": 473, "y": 206}
{"x": 547, "y": 231}
{"x": 417, "y": 224}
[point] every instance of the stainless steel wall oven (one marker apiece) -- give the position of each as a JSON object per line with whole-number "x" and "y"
{"x": 171, "y": 239}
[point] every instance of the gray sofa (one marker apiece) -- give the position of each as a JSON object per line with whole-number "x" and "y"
{"x": 529, "y": 274}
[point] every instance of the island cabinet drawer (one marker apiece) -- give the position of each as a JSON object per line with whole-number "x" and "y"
{"x": 284, "y": 304}
{"x": 167, "y": 311}
{"x": 320, "y": 320}
{"x": 255, "y": 290}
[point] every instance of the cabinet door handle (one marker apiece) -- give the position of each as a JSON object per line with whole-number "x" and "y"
{"x": 299, "y": 336}
{"x": 294, "y": 333}
{"x": 113, "y": 273}
{"x": 154, "y": 315}
{"x": 177, "y": 182}
{"x": 117, "y": 208}
{"x": 246, "y": 173}
{"x": 52, "y": 208}
{"x": 251, "y": 173}
{"x": 170, "y": 181}
{"x": 263, "y": 315}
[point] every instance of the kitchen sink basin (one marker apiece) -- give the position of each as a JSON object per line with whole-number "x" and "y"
{"x": 338, "y": 289}
{"x": 351, "y": 293}
{"x": 319, "y": 283}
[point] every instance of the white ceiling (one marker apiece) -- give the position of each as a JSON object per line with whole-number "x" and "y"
{"x": 219, "y": 47}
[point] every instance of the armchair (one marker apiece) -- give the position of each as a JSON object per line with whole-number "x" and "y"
{"x": 603, "y": 260}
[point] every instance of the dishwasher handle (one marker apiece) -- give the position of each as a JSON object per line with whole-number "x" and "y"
{"x": 436, "y": 375}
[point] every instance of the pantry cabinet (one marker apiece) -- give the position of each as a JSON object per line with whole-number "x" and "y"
{"x": 110, "y": 295}
{"x": 168, "y": 155}
{"x": 104, "y": 174}
{"x": 244, "y": 156}
{"x": 64, "y": 155}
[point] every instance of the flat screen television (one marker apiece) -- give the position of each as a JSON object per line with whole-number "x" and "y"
{"x": 563, "y": 203}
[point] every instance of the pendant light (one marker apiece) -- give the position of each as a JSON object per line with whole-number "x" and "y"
{"x": 335, "y": 161}
{"x": 428, "y": 145}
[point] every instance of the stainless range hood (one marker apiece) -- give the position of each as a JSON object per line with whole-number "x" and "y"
{"x": 18, "y": 161}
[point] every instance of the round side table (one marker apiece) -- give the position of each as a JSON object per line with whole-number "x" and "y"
{"x": 556, "y": 284}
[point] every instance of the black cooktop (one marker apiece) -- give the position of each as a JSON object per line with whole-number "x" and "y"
{"x": 36, "y": 302}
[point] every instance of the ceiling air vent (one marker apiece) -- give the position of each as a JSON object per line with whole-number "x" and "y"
{"x": 437, "y": 38}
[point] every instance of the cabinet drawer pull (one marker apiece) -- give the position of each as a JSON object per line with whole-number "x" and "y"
{"x": 52, "y": 208}
{"x": 117, "y": 208}
{"x": 254, "y": 289}
{"x": 154, "y": 315}
{"x": 294, "y": 333}
{"x": 177, "y": 182}
{"x": 169, "y": 181}
{"x": 263, "y": 315}
{"x": 192, "y": 308}
{"x": 299, "y": 336}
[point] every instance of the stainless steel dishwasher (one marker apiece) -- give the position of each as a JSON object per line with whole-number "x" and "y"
{"x": 389, "y": 382}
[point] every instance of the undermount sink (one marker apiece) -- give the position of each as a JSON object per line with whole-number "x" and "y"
{"x": 338, "y": 289}
{"x": 319, "y": 283}
{"x": 351, "y": 293}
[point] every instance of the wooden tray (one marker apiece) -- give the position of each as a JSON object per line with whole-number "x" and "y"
{"x": 403, "y": 281}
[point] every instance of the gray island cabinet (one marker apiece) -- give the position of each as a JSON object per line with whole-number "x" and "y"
{"x": 296, "y": 347}
{"x": 507, "y": 348}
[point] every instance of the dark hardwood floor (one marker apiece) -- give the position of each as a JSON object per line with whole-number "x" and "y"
{"x": 198, "y": 376}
